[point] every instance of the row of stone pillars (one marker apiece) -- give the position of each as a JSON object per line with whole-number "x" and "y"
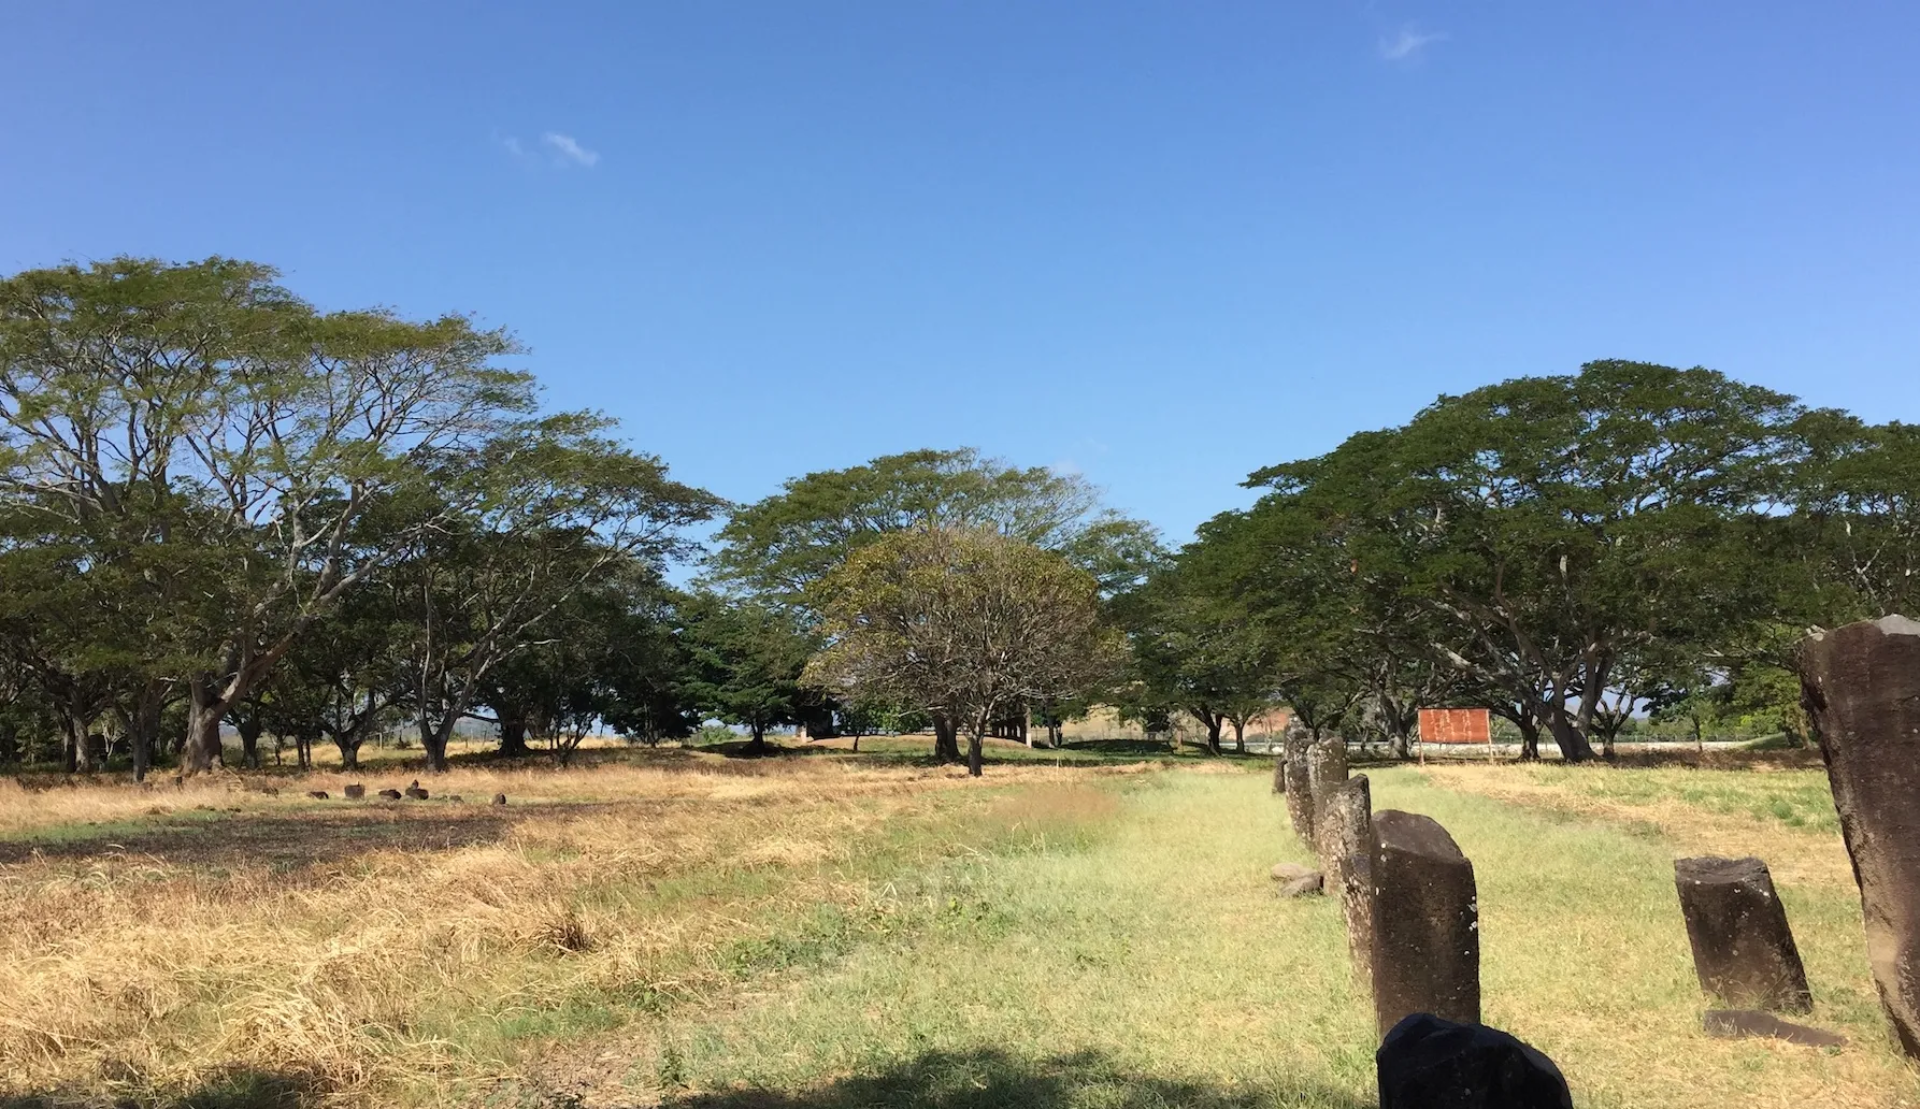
{"x": 1860, "y": 685}
{"x": 1411, "y": 908}
{"x": 1406, "y": 890}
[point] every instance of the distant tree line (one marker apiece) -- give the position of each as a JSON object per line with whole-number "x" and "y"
{"x": 225, "y": 511}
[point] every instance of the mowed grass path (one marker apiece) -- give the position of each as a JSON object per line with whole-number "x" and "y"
{"x": 1145, "y": 960}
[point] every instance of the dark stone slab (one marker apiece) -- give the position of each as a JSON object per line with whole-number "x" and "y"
{"x": 1861, "y": 688}
{"x": 1743, "y": 949}
{"x": 1426, "y": 923}
{"x": 1734, "y": 1024}
{"x": 1426, "y": 1062}
{"x": 1298, "y": 788}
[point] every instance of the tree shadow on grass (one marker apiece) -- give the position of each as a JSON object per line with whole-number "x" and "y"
{"x": 241, "y": 1089}
{"x": 292, "y": 842}
{"x": 989, "y": 1078}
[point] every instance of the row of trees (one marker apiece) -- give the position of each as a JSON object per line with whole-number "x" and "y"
{"x": 1569, "y": 551}
{"x": 221, "y": 507}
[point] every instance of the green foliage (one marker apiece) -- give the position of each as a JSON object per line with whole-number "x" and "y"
{"x": 744, "y": 662}
{"x": 778, "y": 547}
{"x": 1573, "y": 536}
{"x": 966, "y": 625}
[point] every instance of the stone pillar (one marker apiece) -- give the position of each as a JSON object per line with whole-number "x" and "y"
{"x": 1426, "y": 923}
{"x": 1345, "y": 816}
{"x": 1296, "y": 742}
{"x": 1326, "y": 768}
{"x": 1861, "y": 688}
{"x": 1742, "y": 947}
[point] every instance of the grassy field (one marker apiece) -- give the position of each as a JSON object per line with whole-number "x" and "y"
{"x": 836, "y": 931}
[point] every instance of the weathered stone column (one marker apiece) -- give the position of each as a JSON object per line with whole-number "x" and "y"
{"x": 1296, "y": 743}
{"x": 1743, "y": 949}
{"x": 1345, "y": 818}
{"x": 1426, "y": 923}
{"x": 1326, "y": 768}
{"x": 1861, "y": 688}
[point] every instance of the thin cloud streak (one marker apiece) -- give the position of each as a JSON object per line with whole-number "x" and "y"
{"x": 1409, "y": 42}
{"x": 569, "y": 150}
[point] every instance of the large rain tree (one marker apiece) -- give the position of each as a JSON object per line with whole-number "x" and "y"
{"x": 780, "y": 545}
{"x": 1562, "y": 527}
{"x": 962, "y": 624}
{"x": 776, "y": 549}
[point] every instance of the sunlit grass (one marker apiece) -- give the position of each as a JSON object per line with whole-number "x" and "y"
{"x": 826, "y": 933}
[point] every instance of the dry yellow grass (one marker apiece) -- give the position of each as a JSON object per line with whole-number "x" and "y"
{"x": 355, "y": 949}
{"x": 1796, "y": 855}
{"x": 822, "y": 933}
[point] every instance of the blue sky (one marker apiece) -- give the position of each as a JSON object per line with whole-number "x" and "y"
{"x": 1164, "y": 244}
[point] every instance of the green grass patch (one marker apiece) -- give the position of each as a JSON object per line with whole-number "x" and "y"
{"x": 1795, "y": 798}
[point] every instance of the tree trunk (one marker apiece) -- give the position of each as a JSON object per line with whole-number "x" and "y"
{"x": 349, "y": 745}
{"x": 434, "y": 742}
{"x": 946, "y": 739}
{"x": 249, "y": 729}
{"x": 76, "y": 746}
{"x": 1240, "y": 736}
{"x": 758, "y": 744}
{"x": 974, "y": 755}
{"x": 1574, "y": 747}
{"x": 205, "y": 709}
{"x": 513, "y": 736}
{"x": 142, "y": 725}
{"x": 1529, "y": 739}
{"x": 1026, "y": 728}
{"x": 1213, "y": 733}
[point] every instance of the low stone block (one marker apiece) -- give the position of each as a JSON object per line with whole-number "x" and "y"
{"x": 355, "y": 791}
{"x": 1307, "y": 885}
{"x": 1426, "y": 1062}
{"x": 1287, "y": 872}
{"x": 1743, "y": 950}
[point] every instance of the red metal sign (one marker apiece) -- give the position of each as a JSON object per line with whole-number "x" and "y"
{"x": 1456, "y": 726}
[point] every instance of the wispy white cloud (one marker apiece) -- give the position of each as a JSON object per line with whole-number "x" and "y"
{"x": 568, "y": 150}
{"x": 511, "y": 145}
{"x": 1408, "y": 41}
